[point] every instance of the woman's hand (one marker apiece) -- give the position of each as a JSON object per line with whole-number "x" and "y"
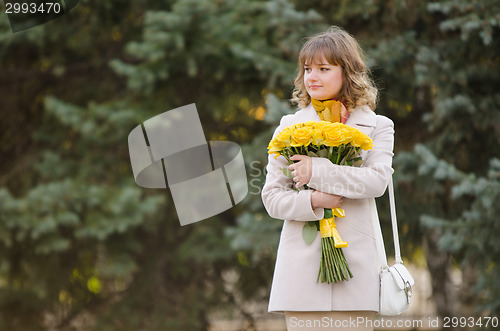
{"x": 302, "y": 170}
{"x": 325, "y": 200}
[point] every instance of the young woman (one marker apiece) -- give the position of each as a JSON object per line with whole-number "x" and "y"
{"x": 331, "y": 68}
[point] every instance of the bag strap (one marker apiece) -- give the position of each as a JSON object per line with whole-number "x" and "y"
{"x": 379, "y": 240}
{"x": 395, "y": 234}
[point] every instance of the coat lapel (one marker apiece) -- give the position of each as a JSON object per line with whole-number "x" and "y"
{"x": 306, "y": 114}
{"x": 363, "y": 119}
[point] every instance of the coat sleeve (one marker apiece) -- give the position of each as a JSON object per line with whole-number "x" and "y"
{"x": 280, "y": 200}
{"x": 368, "y": 181}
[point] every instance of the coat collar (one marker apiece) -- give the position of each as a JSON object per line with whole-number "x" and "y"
{"x": 362, "y": 116}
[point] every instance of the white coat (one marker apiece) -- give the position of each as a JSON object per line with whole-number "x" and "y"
{"x": 294, "y": 286}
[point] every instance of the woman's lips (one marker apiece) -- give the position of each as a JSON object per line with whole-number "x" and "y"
{"x": 314, "y": 86}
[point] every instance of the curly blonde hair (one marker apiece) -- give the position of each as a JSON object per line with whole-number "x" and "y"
{"x": 339, "y": 48}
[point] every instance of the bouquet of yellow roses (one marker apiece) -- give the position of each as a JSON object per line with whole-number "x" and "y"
{"x": 342, "y": 145}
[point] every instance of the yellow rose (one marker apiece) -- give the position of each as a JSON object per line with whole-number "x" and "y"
{"x": 333, "y": 136}
{"x": 367, "y": 145}
{"x": 321, "y": 125}
{"x": 301, "y": 136}
{"x": 360, "y": 139}
{"x": 275, "y": 146}
{"x": 284, "y": 138}
{"x": 357, "y": 139}
{"x": 317, "y": 137}
{"x": 280, "y": 141}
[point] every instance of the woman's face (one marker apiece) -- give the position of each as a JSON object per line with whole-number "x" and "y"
{"x": 323, "y": 80}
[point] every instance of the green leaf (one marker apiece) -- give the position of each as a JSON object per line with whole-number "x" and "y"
{"x": 287, "y": 172}
{"x": 333, "y": 157}
{"x": 328, "y": 213}
{"x": 323, "y": 152}
{"x": 309, "y": 232}
{"x": 311, "y": 154}
{"x": 357, "y": 162}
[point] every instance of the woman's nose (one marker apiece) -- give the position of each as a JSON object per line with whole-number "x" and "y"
{"x": 311, "y": 76}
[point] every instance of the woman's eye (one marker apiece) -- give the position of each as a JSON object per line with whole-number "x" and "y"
{"x": 324, "y": 69}
{"x": 307, "y": 69}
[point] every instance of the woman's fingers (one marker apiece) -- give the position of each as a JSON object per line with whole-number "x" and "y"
{"x": 302, "y": 170}
{"x": 325, "y": 200}
{"x": 298, "y": 157}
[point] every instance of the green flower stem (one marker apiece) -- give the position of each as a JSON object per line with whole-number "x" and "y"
{"x": 322, "y": 266}
{"x": 346, "y": 157}
{"x": 342, "y": 265}
{"x": 328, "y": 272}
{"x": 333, "y": 265}
{"x": 333, "y": 261}
{"x": 337, "y": 261}
{"x": 339, "y": 152}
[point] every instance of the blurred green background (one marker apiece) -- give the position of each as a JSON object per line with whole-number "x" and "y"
{"x": 82, "y": 247}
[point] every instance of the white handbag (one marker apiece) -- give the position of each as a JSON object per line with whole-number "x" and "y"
{"x": 395, "y": 282}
